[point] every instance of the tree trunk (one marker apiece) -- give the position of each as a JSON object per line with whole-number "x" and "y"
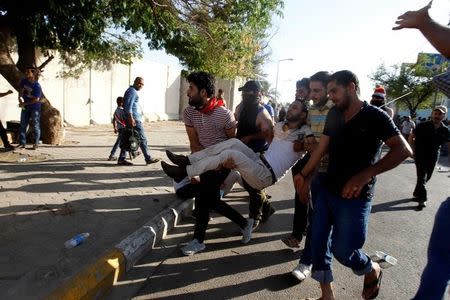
{"x": 51, "y": 122}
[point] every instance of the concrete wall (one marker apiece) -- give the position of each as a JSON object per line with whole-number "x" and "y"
{"x": 92, "y": 96}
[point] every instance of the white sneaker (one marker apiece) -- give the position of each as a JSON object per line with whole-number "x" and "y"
{"x": 302, "y": 271}
{"x": 193, "y": 247}
{"x": 247, "y": 231}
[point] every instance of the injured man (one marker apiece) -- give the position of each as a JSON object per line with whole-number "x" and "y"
{"x": 258, "y": 170}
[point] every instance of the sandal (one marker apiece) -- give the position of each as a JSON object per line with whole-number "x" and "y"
{"x": 376, "y": 283}
{"x": 291, "y": 241}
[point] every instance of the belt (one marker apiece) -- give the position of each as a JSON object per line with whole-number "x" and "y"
{"x": 268, "y": 166}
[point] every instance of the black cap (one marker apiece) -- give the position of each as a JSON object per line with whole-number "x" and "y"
{"x": 251, "y": 86}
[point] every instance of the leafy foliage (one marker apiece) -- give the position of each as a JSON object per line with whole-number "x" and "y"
{"x": 402, "y": 79}
{"x": 224, "y": 37}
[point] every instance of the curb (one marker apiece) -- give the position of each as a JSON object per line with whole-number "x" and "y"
{"x": 95, "y": 280}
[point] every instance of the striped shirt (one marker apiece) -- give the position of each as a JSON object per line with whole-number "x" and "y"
{"x": 316, "y": 120}
{"x": 210, "y": 127}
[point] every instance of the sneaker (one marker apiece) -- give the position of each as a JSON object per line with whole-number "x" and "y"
{"x": 35, "y": 146}
{"x": 193, "y": 247}
{"x": 301, "y": 272}
{"x": 124, "y": 163}
{"x": 247, "y": 231}
{"x": 135, "y": 153}
{"x": 421, "y": 205}
{"x": 112, "y": 158}
{"x": 21, "y": 146}
{"x": 9, "y": 148}
{"x": 151, "y": 161}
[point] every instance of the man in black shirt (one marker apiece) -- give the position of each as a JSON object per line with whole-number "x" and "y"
{"x": 426, "y": 140}
{"x": 353, "y": 133}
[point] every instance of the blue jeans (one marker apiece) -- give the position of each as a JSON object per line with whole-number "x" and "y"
{"x": 436, "y": 275}
{"x": 347, "y": 221}
{"x": 140, "y": 129}
{"x": 117, "y": 143}
{"x": 317, "y": 187}
{"x": 35, "y": 115}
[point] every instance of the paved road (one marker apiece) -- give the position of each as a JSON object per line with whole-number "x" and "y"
{"x": 260, "y": 270}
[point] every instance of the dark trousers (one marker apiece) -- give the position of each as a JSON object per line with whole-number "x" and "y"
{"x": 3, "y": 135}
{"x": 424, "y": 169}
{"x": 208, "y": 197}
{"x": 301, "y": 211}
{"x": 258, "y": 202}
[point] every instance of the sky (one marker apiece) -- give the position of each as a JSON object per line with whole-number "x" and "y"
{"x": 334, "y": 35}
{"x": 331, "y": 35}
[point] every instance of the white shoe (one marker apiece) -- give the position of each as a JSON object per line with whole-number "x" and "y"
{"x": 302, "y": 271}
{"x": 247, "y": 231}
{"x": 193, "y": 247}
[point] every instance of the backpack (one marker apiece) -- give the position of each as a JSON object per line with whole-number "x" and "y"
{"x": 130, "y": 140}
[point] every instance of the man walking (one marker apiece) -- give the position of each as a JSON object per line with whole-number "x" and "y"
{"x": 426, "y": 141}
{"x": 353, "y": 134}
{"x": 316, "y": 119}
{"x": 208, "y": 123}
{"x": 407, "y": 127}
{"x": 134, "y": 115}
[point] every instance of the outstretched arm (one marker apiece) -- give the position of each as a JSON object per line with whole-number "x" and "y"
{"x": 6, "y": 93}
{"x": 436, "y": 34}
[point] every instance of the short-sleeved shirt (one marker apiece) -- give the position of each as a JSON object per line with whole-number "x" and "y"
{"x": 119, "y": 118}
{"x": 354, "y": 145}
{"x": 211, "y": 127}
{"x": 31, "y": 90}
{"x": 316, "y": 120}
{"x": 429, "y": 139}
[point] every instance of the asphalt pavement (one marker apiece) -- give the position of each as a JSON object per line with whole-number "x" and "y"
{"x": 261, "y": 269}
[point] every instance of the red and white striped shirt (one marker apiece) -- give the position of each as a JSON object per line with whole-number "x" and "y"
{"x": 210, "y": 127}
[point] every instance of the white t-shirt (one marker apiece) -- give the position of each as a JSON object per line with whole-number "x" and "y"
{"x": 407, "y": 127}
{"x": 281, "y": 155}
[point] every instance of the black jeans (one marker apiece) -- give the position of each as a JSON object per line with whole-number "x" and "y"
{"x": 301, "y": 211}
{"x": 208, "y": 197}
{"x": 258, "y": 202}
{"x": 424, "y": 169}
{"x": 3, "y": 135}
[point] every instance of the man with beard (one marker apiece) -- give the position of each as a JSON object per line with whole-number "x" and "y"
{"x": 379, "y": 98}
{"x": 254, "y": 128}
{"x": 316, "y": 119}
{"x": 208, "y": 123}
{"x": 354, "y": 131}
{"x": 426, "y": 140}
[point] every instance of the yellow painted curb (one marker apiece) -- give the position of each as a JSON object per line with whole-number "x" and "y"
{"x": 94, "y": 281}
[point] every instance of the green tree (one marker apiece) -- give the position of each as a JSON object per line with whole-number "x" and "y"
{"x": 223, "y": 37}
{"x": 407, "y": 78}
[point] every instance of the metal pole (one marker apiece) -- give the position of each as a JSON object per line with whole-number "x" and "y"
{"x": 276, "y": 80}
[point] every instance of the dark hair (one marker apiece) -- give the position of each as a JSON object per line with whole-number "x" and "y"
{"x": 304, "y": 82}
{"x": 119, "y": 99}
{"x": 322, "y": 76}
{"x": 203, "y": 80}
{"x": 344, "y": 78}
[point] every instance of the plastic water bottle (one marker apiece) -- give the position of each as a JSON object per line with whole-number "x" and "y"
{"x": 76, "y": 240}
{"x": 385, "y": 260}
{"x": 22, "y": 159}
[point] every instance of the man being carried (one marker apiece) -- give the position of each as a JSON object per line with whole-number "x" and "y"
{"x": 259, "y": 171}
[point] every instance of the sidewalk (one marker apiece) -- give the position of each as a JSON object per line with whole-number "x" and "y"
{"x": 60, "y": 191}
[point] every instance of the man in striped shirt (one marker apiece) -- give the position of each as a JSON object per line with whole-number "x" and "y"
{"x": 208, "y": 123}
